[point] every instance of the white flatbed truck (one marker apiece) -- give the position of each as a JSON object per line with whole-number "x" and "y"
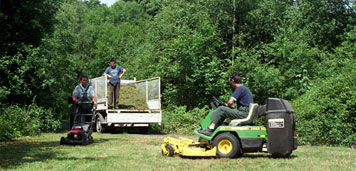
{"x": 128, "y": 118}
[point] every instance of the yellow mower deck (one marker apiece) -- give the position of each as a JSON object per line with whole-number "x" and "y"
{"x": 187, "y": 147}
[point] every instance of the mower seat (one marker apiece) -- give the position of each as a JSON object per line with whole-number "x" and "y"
{"x": 251, "y": 117}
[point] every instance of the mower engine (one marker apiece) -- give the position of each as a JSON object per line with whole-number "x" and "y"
{"x": 77, "y": 133}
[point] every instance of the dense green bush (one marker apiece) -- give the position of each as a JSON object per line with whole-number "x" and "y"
{"x": 179, "y": 120}
{"x": 28, "y": 120}
{"x": 282, "y": 49}
{"x": 326, "y": 114}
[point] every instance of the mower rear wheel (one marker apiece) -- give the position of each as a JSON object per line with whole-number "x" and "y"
{"x": 169, "y": 151}
{"x": 227, "y": 145}
{"x": 85, "y": 139}
{"x": 91, "y": 139}
{"x": 62, "y": 142}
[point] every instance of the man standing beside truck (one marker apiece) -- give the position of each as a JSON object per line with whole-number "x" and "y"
{"x": 114, "y": 73}
{"x": 83, "y": 98}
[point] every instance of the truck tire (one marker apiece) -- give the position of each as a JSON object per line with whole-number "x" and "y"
{"x": 227, "y": 145}
{"x": 99, "y": 127}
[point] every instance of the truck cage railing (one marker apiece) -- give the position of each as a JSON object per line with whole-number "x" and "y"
{"x": 149, "y": 88}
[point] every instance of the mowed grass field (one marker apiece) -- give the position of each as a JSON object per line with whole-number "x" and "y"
{"x": 124, "y": 151}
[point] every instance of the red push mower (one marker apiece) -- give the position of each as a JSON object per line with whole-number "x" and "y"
{"x": 80, "y": 133}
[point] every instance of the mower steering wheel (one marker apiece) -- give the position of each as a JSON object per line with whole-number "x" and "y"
{"x": 218, "y": 102}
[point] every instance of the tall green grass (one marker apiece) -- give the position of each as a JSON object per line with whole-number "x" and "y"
{"x": 142, "y": 152}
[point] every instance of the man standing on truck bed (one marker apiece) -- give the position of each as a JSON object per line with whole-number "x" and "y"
{"x": 114, "y": 73}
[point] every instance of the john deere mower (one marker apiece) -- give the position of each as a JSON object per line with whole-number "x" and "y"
{"x": 236, "y": 137}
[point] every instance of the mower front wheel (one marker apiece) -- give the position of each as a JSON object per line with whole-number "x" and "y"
{"x": 227, "y": 145}
{"x": 168, "y": 151}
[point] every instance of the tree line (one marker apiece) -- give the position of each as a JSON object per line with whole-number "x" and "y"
{"x": 302, "y": 51}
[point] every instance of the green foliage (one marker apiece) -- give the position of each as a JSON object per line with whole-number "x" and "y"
{"x": 29, "y": 120}
{"x": 285, "y": 49}
{"x": 185, "y": 52}
{"x": 179, "y": 120}
{"x": 25, "y": 22}
{"x": 324, "y": 21}
{"x": 326, "y": 114}
{"x": 24, "y": 75}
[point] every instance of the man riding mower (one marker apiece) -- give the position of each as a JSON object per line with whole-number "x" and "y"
{"x": 237, "y": 136}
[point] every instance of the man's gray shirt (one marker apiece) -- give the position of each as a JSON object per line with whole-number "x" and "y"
{"x": 79, "y": 92}
{"x": 114, "y": 73}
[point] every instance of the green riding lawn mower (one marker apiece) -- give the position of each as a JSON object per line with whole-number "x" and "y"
{"x": 236, "y": 137}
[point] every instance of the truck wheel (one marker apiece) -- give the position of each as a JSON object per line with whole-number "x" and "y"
{"x": 99, "y": 127}
{"x": 227, "y": 145}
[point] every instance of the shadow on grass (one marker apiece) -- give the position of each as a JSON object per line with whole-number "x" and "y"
{"x": 95, "y": 141}
{"x": 134, "y": 130}
{"x": 266, "y": 155}
{"x": 85, "y": 158}
{"x": 134, "y": 133}
{"x": 249, "y": 156}
{"x": 18, "y": 152}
